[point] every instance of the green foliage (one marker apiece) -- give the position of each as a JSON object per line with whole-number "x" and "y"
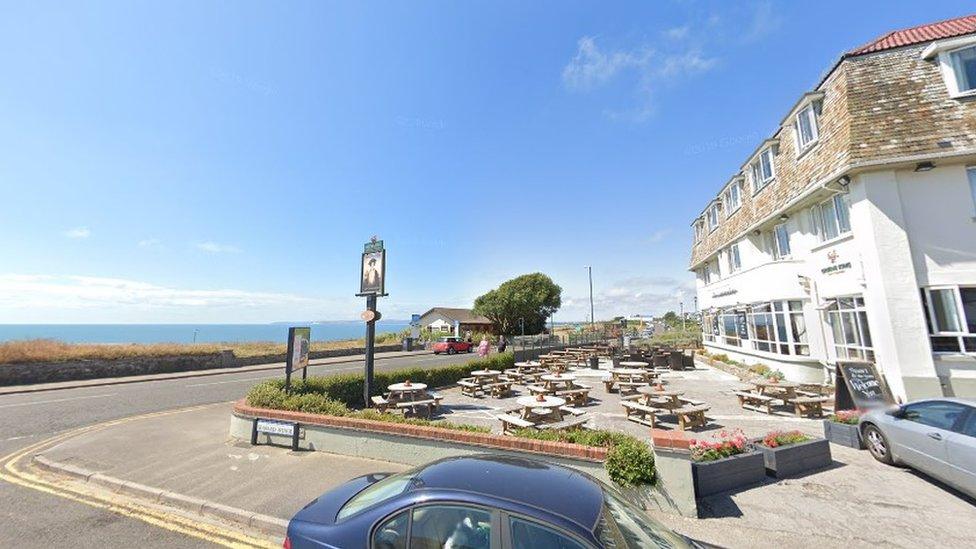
{"x": 372, "y": 414}
{"x": 671, "y": 318}
{"x": 760, "y": 369}
{"x": 776, "y": 439}
{"x": 690, "y": 337}
{"x": 630, "y": 462}
{"x": 532, "y": 297}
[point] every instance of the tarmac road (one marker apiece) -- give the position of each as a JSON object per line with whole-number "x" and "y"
{"x": 30, "y": 518}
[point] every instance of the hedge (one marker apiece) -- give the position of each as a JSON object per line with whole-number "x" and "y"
{"x": 630, "y": 462}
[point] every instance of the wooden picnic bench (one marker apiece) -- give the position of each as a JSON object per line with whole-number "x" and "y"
{"x": 578, "y": 396}
{"x": 639, "y": 413}
{"x": 538, "y": 390}
{"x": 564, "y": 424}
{"x": 809, "y": 406}
{"x": 690, "y": 416}
{"x": 427, "y": 404}
{"x": 511, "y": 422}
{"x": 380, "y": 403}
{"x": 470, "y": 387}
{"x": 755, "y": 401}
{"x": 499, "y": 389}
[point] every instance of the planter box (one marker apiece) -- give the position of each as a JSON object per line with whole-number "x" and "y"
{"x": 726, "y": 474}
{"x": 843, "y": 434}
{"x": 796, "y": 459}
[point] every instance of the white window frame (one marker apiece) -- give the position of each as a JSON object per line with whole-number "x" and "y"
{"x": 782, "y": 316}
{"x": 820, "y": 222}
{"x": 699, "y": 230}
{"x": 777, "y": 251}
{"x": 810, "y": 114}
{"x": 934, "y": 328}
{"x": 732, "y": 206}
{"x": 845, "y": 350}
{"x": 713, "y": 216}
{"x": 944, "y": 50}
{"x": 707, "y": 273}
{"x": 760, "y": 179}
{"x": 733, "y": 258}
{"x": 971, "y": 174}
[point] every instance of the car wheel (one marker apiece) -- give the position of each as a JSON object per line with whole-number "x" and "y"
{"x": 877, "y": 444}
{"x": 451, "y": 350}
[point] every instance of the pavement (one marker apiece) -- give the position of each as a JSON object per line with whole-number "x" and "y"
{"x": 857, "y": 502}
{"x": 37, "y": 518}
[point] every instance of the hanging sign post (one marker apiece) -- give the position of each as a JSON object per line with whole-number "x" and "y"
{"x": 299, "y": 343}
{"x": 372, "y": 284}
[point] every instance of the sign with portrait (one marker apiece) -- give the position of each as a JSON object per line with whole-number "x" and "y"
{"x": 373, "y": 273}
{"x": 299, "y": 344}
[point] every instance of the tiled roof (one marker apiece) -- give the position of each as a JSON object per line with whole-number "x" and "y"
{"x": 919, "y": 34}
{"x": 464, "y": 316}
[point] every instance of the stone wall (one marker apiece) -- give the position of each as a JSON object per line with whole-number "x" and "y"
{"x": 47, "y": 372}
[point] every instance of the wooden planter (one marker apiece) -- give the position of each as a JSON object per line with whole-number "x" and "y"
{"x": 726, "y": 474}
{"x": 843, "y": 434}
{"x": 795, "y": 459}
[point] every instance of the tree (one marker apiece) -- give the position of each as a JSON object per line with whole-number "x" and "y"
{"x": 532, "y": 297}
{"x": 671, "y": 319}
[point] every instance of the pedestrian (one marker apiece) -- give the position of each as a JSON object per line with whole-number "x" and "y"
{"x": 483, "y": 347}
{"x": 502, "y": 344}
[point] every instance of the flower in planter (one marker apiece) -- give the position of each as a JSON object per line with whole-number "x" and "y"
{"x": 775, "y": 439}
{"x": 725, "y": 444}
{"x": 847, "y": 417}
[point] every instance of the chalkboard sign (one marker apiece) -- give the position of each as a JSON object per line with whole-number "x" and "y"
{"x": 859, "y": 385}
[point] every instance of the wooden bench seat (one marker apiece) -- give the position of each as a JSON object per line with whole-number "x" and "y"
{"x": 572, "y": 410}
{"x": 639, "y": 413}
{"x": 690, "y": 416}
{"x": 809, "y": 406}
{"x": 564, "y": 424}
{"x": 510, "y": 422}
{"x": 469, "y": 387}
{"x": 537, "y": 389}
{"x": 755, "y": 401}
{"x": 576, "y": 396}
{"x": 427, "y": 404}
{"x": 380, "y": 403}
{"x": 499, "y": 389}
{"x": 631, "y": 386}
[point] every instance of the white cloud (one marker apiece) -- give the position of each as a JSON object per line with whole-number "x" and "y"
{"x": 149, "y": 243}
{"x": 689, "y": 62}
{"x": 215, "y": 248}
{"x": 57, "y": 298}
{"x": 652, "y": 295}
{"x": 765, "y": 21}
{"x": 591, "y": 66}
{"x": 677, "y": 33}
{"x": 78, "y": 232}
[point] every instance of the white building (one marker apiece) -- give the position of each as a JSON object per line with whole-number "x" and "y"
{"x": 851, "y": 231}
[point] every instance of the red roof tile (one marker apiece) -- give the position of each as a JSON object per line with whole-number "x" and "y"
{"x": 919, "y": 34}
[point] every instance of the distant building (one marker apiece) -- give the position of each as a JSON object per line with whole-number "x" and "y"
{"x": 445, "y": 320}
{"x": 850, "y": 233}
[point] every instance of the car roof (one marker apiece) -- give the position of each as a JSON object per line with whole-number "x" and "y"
{"x": 968, "y": 401}
{"x": 554, "y": 488}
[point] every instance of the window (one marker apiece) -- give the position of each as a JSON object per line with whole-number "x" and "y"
{"x": 707, "y": 273}
{"x": 733, "y": 198}
{"x": 849, "y": 326}
{"x": 762, "y": 170}
{"x": 951, "y": 315}
{"x": 699, "y": 228}
{"x": 381, "y": 491}
{"x": 831, "y": 218}
{"x": 732, "y": 255}
{"x": 450, "y": 526}
{"x": 781, "y": 242}
{"x": 938, "y": 414}
{"x": 963, "y": 62}
{"x": 779, "y": 327}
{"x": 713, "y": 217}
{"x": 527, "y": 535}
{"x": 620, "y": 525}
{"x": 392, "y": 534}
{"x": 968, "y": 426}
{"x": 971, "y": 172}
{"x": 807, "y": 132}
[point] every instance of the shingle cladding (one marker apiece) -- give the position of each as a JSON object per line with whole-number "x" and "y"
{"x": 876, "y": 107}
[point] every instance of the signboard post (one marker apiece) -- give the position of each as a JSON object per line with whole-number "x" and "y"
{"x": 859, "y": 385}
{"x": 299, "y": 343}
{"x": 372, "y": 284}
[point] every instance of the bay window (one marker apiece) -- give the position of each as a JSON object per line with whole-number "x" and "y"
{"x": 831, "y": 218}
{"x": 848, "y": 321}
{"x": 807, "y": 131}
{"x": 779, "y": 327}
{"x": 951, "y": 315}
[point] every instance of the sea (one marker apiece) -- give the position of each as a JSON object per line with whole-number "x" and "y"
{"x": 190, "y": 333}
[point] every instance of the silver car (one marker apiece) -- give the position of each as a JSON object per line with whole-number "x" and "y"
{"x": 934, "y": 436}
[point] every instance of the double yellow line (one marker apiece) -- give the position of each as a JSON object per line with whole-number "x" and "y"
{"x": 14, "y": 472}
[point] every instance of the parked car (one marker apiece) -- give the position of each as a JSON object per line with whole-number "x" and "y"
{"x": 935, "y": 436}
{"x": 451, "y": 345}
{"x": 477, "y": 502}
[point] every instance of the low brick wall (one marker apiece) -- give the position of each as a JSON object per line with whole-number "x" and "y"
{"x": 47, "y": 372}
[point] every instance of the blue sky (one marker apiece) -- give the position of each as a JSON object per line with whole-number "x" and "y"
{"x": 225, "y": 161}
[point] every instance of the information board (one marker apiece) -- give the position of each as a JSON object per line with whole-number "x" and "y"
{"x": 859, "y": 385}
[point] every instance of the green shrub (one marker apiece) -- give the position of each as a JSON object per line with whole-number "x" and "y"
{"x": 397, "y": 418}
{"x": 629, "y": 461}
{"x": 760, "y": 369}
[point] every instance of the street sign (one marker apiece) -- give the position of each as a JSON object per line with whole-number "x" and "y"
{"x": 370, "y": 316}
{"x": 296, "y": 358}
{"x": 275, "y": 428}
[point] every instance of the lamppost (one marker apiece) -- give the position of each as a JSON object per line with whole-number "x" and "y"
{"x": 589, "y": 271}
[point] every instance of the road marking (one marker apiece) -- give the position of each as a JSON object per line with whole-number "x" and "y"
{"x": 174, "y": 522}
{"x": 35, "y": 403}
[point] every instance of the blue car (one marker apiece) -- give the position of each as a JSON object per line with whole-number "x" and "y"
{"x": 477, "y": 502}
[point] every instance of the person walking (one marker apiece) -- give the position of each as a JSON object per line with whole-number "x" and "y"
{"x": 502, "y": 344}
{"x": 483, "y": 347}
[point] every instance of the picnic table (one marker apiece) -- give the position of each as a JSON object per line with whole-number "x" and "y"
{"x": 780, "y": 390}
{"x": 662, "y": 398}
{"x": 665, "y": 402}
{"x": 633, "y": 364}
{"x": 486, "y": 376}
{"x": 527, "y": 364}
{"x": 548, "y": 409}
{"x": 402, "y": 391}
{"x": 627, "y": 379}
{"x": 554, "y": 382}
{"x": 403, "y": 397}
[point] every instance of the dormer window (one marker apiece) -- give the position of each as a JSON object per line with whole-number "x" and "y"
{"x": 762, "y": 170}
{"x": 957, "y": 61}
{"x": 807, "y": 131}
{"x": 963, "y": 63}
{"x": 732, "y": 198}
{"x": 699, "y": 229}
{"x": 713, "y": 216}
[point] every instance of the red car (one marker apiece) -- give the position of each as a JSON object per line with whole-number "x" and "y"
{"x": 452, "y": 345}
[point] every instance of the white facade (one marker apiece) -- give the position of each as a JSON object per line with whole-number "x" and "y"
{"x": 852, "y": 286}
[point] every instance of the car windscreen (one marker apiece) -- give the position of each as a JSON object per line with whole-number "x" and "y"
{"x": 383, "y": 490}
{"x": 623, "y": 525}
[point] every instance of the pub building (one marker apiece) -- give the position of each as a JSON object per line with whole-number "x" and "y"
{"x": 850, "y": 233}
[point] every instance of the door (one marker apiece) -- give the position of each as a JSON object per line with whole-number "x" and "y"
{"x": 961, "y": 448}
{"x": 921, "y": 434}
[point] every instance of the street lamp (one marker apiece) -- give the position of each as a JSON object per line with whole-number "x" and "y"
{"x": 589, "y": 271}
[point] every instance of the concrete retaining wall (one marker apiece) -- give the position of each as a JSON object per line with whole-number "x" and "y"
{"x": 47, "y": 372}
